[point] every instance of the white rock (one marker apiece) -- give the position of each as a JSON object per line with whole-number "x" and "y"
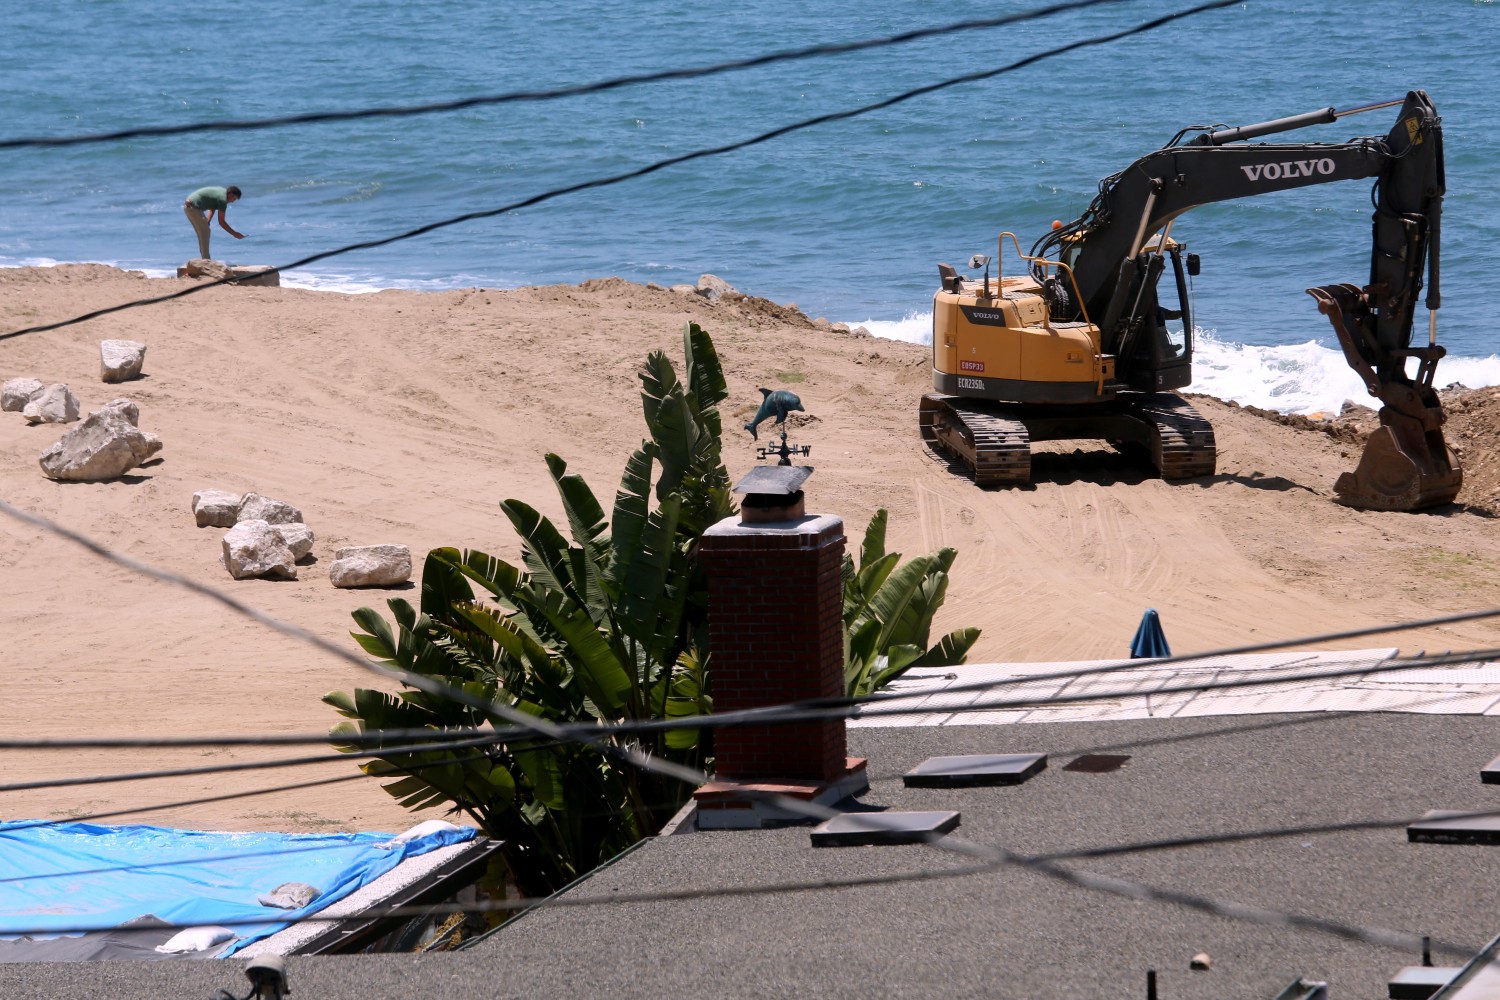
{"x": 55, "y": 404}
{"x": 716, "y": 288}
{"x": 255, "y": 548}
{"x": 203, "y": 267}
{"x": 15, "y": 394}
{"x": 126, "y": 408}
{"x": 298, "y": 537}
{"x": 370, "y": 566}
{"x": 216, "y": 508}
{"x": 105, "y": 446}
{"x": 121, "y": 360}
{"x": 255, "y": 507}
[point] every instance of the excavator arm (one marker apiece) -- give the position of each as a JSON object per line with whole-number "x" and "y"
{"x": 1116, "y": 265}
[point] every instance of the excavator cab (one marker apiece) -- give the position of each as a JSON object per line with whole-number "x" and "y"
{"x": 1156, "y": 346}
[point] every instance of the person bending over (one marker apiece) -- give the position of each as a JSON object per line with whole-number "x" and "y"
{"x": 200, "y": 208}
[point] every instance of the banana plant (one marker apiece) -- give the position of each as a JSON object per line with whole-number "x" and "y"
{"x": 888, "y": 612}
{"x": 602, "y": 619}
{"x": 605, "y": 622}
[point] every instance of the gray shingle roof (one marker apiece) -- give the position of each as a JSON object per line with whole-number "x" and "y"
{"x": 1009, "y": 933}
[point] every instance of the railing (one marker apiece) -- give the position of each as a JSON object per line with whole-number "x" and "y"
{"x": 1046, "y": 263}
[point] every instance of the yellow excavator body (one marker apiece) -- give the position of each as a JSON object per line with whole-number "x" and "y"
{"x": 1006, "y": 335}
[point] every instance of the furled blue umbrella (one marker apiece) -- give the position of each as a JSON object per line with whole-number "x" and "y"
{"x": 1150, "y": 641}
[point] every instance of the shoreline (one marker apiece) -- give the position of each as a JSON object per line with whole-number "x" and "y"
{"x": 1309, "y": 378}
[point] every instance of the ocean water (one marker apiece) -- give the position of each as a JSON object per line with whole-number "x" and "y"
{"x": 847, "y": 219}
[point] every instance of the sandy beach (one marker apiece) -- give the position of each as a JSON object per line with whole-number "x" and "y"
{"x": 405, "y": 417}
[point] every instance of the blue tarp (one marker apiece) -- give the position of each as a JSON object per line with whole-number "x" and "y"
{"x": 70, "y": 877}
{"x": 1150, "y": 641}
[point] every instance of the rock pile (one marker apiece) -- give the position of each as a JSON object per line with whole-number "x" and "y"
{"x": 267, "y": 538}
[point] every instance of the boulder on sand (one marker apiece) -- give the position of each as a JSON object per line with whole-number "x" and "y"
{"x": 216, "y": 508}
{"x": 255, "y": 507}
{"x": 15, "y": 394}
{"x": 370, "y": 566}
{"x": 105, "y": 446}
{"x": 121, "y": 360}
{"x": 55, "y": 404}
{"x": 255, "y": 548}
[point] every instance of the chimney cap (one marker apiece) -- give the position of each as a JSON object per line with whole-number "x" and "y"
{"x": 774, "y": 480}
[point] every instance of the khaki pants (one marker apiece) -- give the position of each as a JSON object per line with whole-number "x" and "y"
{"x": 199, "y": 219}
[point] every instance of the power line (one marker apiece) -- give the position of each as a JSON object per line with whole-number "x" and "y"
{"x": 880, "y": 705}
{"x": 648, "y": 169}
{"x": 986, "y": 854}
{"x": 248, "y": 765}
{"x": 577, "y": 90}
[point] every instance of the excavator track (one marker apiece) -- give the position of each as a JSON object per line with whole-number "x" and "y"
{"x": 1184, "y": 446}
{"x": 994, "y": 440}
{"x": 995, "y": 447}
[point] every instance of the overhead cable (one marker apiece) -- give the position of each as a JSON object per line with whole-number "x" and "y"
{"x": 810, "y": 810}
{"x": 641, "y": 171}
{"x": 882, "y": 704}
{"x": 532, "y": 96}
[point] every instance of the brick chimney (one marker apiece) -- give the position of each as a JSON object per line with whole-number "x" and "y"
{"x": 776, "y": 629}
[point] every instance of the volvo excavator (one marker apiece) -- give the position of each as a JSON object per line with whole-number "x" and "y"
{"x": 1085, "y": 345}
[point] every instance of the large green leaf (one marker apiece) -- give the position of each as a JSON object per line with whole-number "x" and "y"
{"x": 377, "y": 639}
{"x": 658, "y": 381}
{"x": 605, "y": 680}
{"x": 705, "y": 374}
{"x": 644, "y": 579}
{"x": 865, "y": 584}
{"x": 632, "y": 507}
{"x": 442, "y": 583}
{"x": 544, "y": 769}
{"x": 951, "y": 649}
{"x": 496, "y": 576}
{"x": 897, "y": 660}
{"x": 861, "y": 649}
{"x": 687, "y": 697}
{"x": 874, "y": 543}
{"x": 589, "y": 530}
{"x": 891, "y": 601}
{"x": 544, "y": 551}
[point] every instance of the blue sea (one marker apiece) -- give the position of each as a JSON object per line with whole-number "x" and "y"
{"x": 848, "y": 219}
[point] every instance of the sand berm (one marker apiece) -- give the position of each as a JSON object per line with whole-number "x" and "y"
{"x": 408, "y": 416}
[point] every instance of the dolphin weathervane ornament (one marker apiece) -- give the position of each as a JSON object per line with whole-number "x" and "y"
{"x": 778, "y": 404}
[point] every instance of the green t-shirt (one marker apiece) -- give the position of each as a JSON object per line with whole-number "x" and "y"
{"x": 209, "y": 199}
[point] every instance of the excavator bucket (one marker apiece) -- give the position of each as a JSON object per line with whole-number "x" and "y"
{"x": 1402, "y": 468}
{"x": 1406, "y": 464}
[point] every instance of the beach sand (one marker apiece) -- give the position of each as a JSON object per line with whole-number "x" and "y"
{"x": 405, "y": 417}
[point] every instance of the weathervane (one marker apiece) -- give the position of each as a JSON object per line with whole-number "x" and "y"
{"x": 774, "y": 493}
{"x": 777, "y": 403}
